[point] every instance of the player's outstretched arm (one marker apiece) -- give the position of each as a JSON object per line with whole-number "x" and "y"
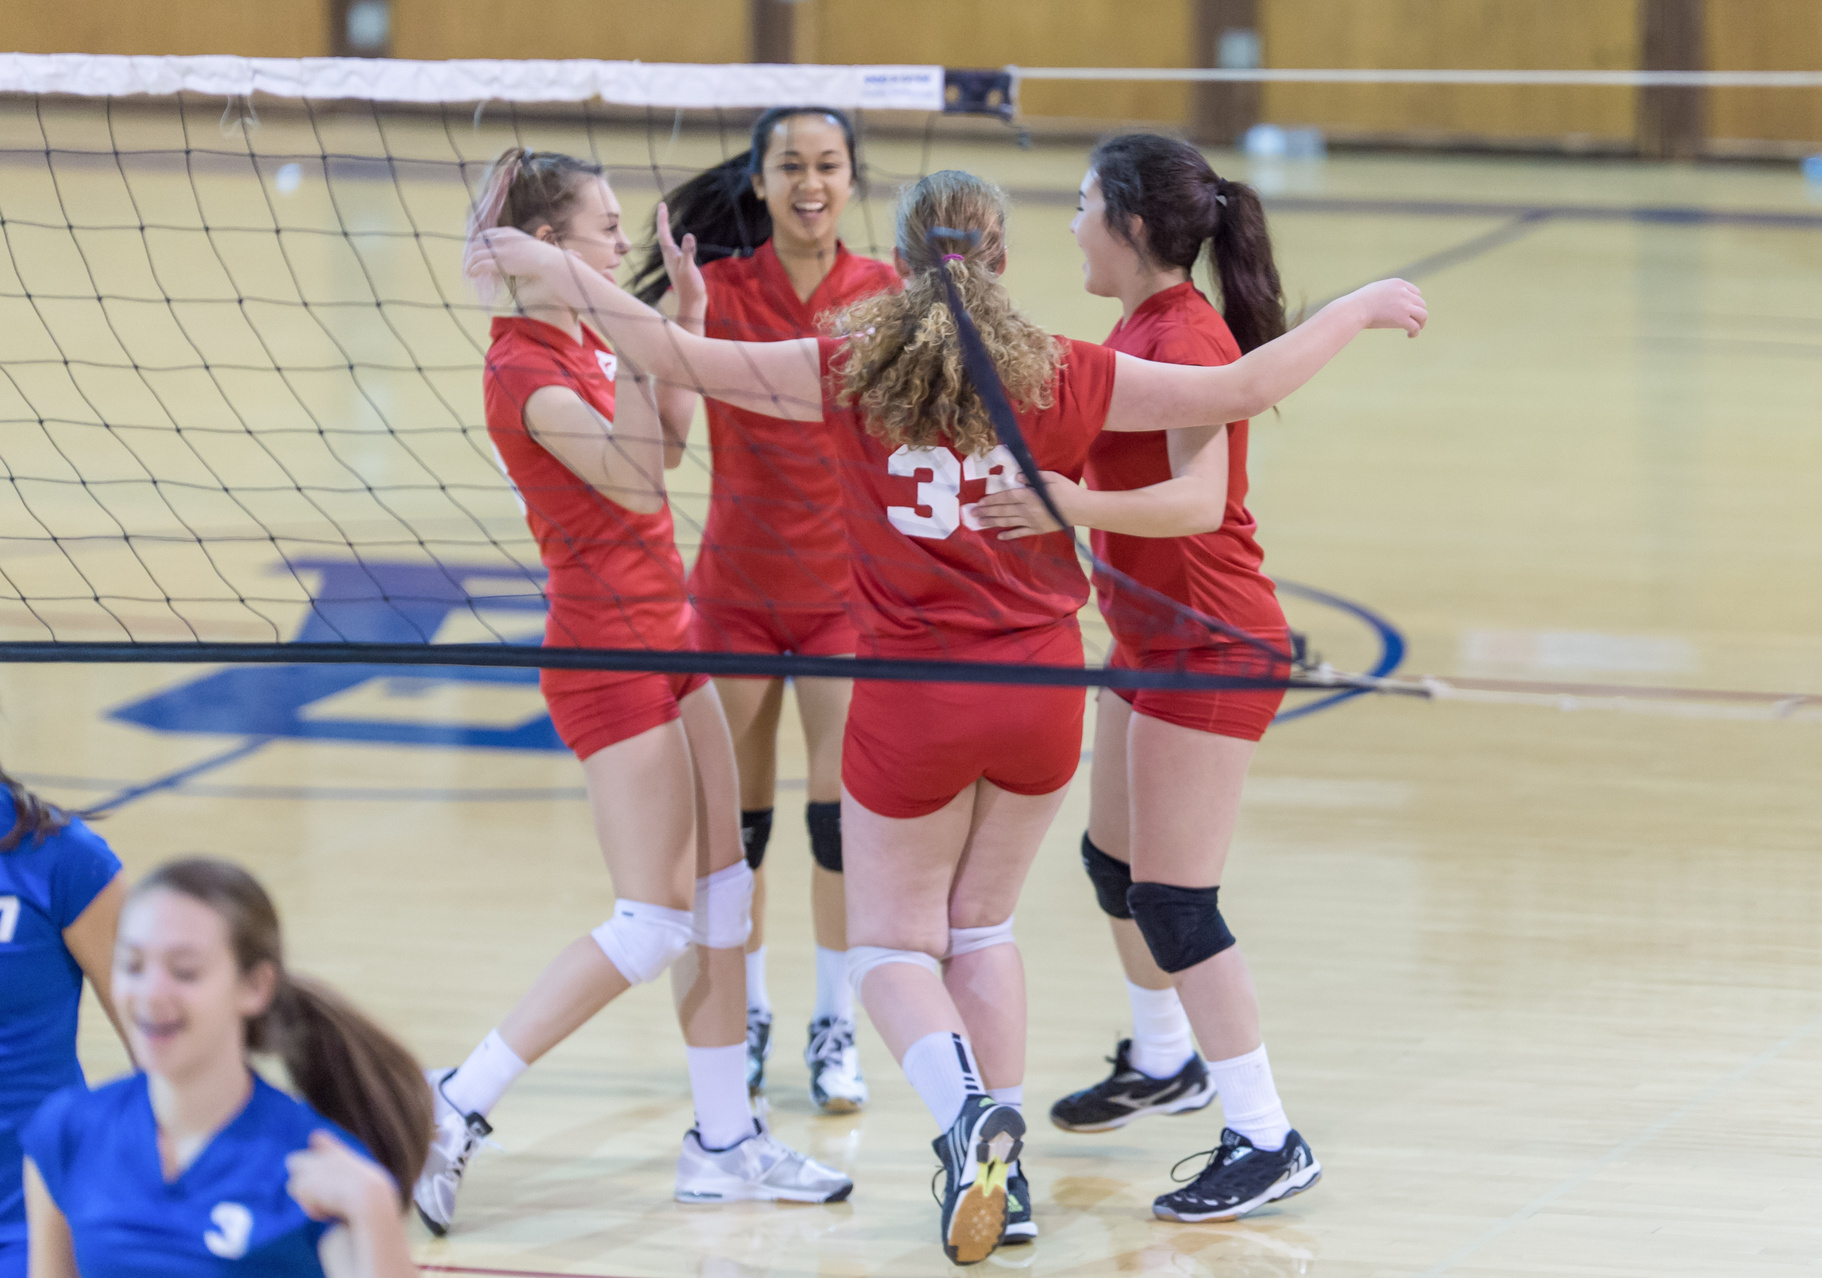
{"x": 1148, "y": 396}
{"x": 780, "y": 379}
{"x": 1193, "y": 500}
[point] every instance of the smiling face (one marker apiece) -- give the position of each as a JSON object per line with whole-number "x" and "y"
{"x": 1107, "y": 260}
{"x": 806, "y": 181}
{"x": 177, "y": 987}
{"x": 592, "y": 227}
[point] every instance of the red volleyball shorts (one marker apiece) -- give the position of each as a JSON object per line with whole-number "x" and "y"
{"x": 1242, "y": 713}
{"x": 912, "y": 747}
{"x": 599, "y": 710}
{"x": 819, "y": 633}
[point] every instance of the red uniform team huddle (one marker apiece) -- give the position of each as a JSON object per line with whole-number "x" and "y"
{"x": 861, "y": 503}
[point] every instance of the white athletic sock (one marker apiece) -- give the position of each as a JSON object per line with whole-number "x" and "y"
{"x": 1249, "y": 1099}
{"x": 1161, "y": 1039}
{"x": 480, "y": 1081}
{"x": 757, "y": 999}
{"x": 1013, "y": 1096}
{"x": 941, "y": 1068}
{"x": 718, "y": 1083}
{"x": 834, "y": 995}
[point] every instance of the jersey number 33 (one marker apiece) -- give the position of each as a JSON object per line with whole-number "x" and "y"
{"x": 940, "y": 475}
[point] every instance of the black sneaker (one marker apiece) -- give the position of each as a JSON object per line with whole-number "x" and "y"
{"x": 759, "y": 1046}
{"x": 1020, "y": 1227}
{"x": 1127, "y": 1094}
{"x": 978, "y": 1152}
{"x": 1239, "y": 1178}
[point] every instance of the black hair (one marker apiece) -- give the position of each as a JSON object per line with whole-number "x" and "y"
{"x": 32, "y": 816}
{"x": 1168, "y": 185}
{"x": 720, "y": 208}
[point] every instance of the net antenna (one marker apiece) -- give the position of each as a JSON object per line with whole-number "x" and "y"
{"x": 986, "y": 379}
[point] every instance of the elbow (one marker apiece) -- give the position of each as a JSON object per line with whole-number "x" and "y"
{"x": 673, "y": 456}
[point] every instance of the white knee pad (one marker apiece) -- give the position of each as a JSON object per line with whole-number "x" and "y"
{"x": 642, "y": 940}
{"x": 966, "y": 940}
{"x": 722, "y": 917}
{"x": 864, "y": 958}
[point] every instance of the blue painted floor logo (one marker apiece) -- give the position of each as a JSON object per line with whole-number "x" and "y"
{"x": 366, "y": 603}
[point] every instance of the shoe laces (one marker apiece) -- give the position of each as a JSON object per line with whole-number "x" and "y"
{"x": 1216, "y": 1157}
{"x": 830, "y": 1042}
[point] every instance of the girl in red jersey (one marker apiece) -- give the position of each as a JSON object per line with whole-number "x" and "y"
{"x": 1169, "y": 511}
{"x": 948, "y": 788}
{"x": 772, "y": 574}
{"x": 580, "y": 440}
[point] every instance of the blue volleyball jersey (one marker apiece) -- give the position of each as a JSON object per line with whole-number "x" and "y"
{"x": 45, "y": 884}
{"x": 227, "y": 1214}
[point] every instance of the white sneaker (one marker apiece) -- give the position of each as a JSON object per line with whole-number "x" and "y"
{"x": 452, "y": 1144}
{"x": 757, "y": 1169}
{"x": 836, "y": 1085}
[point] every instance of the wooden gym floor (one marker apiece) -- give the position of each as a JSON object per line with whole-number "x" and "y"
{"x": 1542, "y": 986}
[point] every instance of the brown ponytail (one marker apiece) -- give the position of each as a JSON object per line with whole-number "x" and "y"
{"x": 1182, "y": 204}
{"x": 32, "y": 816}
{"x": 903, "y": 364}
{"x": 345, "y": 1066}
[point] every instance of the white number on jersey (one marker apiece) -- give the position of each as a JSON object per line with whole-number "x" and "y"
{"x": 941, "y": 493}
{"x": 9, "y": 918}
{"x": 233, "y": 1229}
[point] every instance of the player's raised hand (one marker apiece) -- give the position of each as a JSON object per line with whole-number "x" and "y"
{"x": 1394, "y": 304}
{"x": 680, "y": 265}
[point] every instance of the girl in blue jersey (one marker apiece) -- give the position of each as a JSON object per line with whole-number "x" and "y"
{"x": 197, "y": 1166}
{"x": 60, "y": 895}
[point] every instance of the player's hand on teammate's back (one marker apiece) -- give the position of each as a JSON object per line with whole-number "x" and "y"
{"x": 1019, "y": 512}
{"x": 332, "y": 1182}
{"x": 1394, "y": 304}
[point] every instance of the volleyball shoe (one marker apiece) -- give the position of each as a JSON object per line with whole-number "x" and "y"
{"x": 759, "y": 1047}
{"x": 836, "y": 1085}
{"x": 756, "y": 1168}
{"x": 978, "y": 1153}
{"x": 454, "y": 1140}
{"x": 1128, "y": 1093}
{"x": 1239, "y": 1178}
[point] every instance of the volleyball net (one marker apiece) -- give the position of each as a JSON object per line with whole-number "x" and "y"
{"x": 240, "y": 365}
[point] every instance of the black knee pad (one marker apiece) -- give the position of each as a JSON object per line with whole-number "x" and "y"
{"x": 755, "y": 833}
{"x": 1111, "y": 879}
{"x": 1181, "y": 926}
{"x": 825, "y": 834}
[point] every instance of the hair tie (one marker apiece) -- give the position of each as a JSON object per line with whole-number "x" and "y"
{"x": 955, "y": 257}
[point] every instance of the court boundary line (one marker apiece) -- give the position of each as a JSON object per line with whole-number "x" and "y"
{"x": 1626, "y": 1147}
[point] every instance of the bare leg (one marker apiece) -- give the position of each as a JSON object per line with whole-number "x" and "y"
{"x": 645, "y": 819}
{"x": 822, "y": 705}
{"x": 988, "y": 986}
{"x": 710, "y": 985}
{"x": 1109, "y": 826}
{"x": 1185, "y": 788}
{"x": 752, "y": 707}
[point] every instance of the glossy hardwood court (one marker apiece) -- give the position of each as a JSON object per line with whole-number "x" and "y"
{"x": 1543, "y": 987}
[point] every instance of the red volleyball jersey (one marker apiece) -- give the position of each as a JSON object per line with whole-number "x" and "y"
{"x": 1216, "y": 573}
{"x": 616, "y": 580}
{"x": 773, "y": 536}
{"x": 927, "y": 578}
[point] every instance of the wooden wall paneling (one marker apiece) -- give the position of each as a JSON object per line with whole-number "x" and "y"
{"x": 268, "y": 29}
{"x": 1575, "y": 34}
{"x": 1670, "y": 118}
{"x": 1766, "y": 35}
{"x": 1220, "y": 114}
{"x": 967, "y": 33}
{"x": 688, "y": 30}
